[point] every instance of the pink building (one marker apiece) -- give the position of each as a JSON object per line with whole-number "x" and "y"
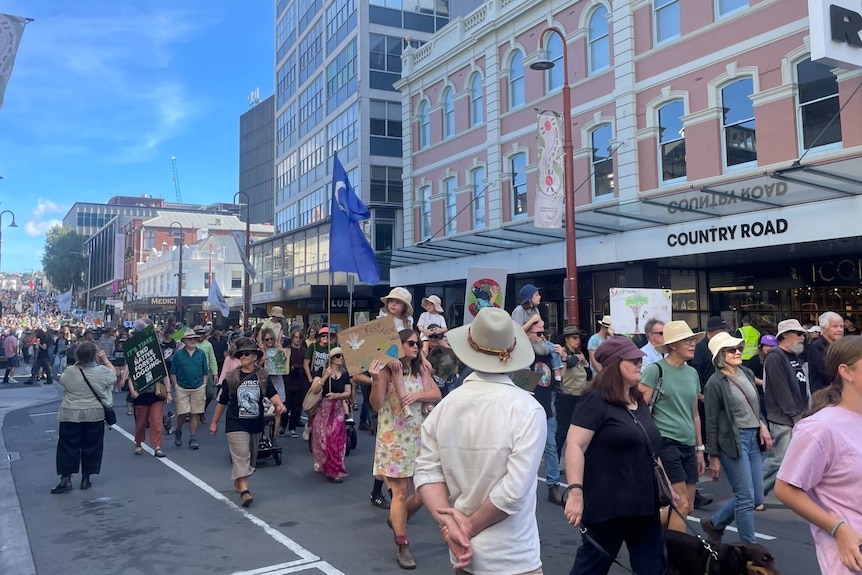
{"x": 711, "y": 157}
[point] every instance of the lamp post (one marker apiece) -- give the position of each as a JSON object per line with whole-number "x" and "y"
{"x": 179, "y": 241}
{"x": 12, "y": 225}
{"x": 544, "y": 63}
{"x": 246, "y": 286}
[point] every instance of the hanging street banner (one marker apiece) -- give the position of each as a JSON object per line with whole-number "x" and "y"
{"x": 239, "y": 237}
{"x": 550, "y": 190}
{"x": 486, "y": 287}
{"x": 11, "y": 30}
{"x": 144, "y": 358}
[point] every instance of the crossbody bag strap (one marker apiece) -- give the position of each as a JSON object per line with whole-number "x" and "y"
{"x": 646, "y": 436}
{"x": 748, "y": 401}
{"x": 87, "y": 381}
{"x": 657, "y": 391}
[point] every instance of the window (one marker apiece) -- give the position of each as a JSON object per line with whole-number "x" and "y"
{"x": 311, "y": 52}
{"x": 451, "y": 206}
{"x": 666, "y": 14}
{"x": 385, "y": 128}
{"x": 342, "y": 134}
{"x": 516, "y": 80}
{"x": 341, "y": 77}
{"x": 476, "y": 103}
{"x": 286, "y": 219}
{"x": 340, "y": 20}
{"x": 311, "y": 106}
{"x": 599, "y": 40}
{"x": 519, "y": 185}
{"x": 235, "y": 279}
{"x": 207, "y": 276}
{"x": 738, "y": 123}
{"x": 671, "y": 138}
{"x": 312, "y": 160}
{"x": 286, "y": 184}
{"x": 554, "y": 76}
{"x": 286, "y": 80}
{"x": 149, "y": 239}
{"x": 387, "y": 185}
{"x": 286, "y": 130}
{"x": 725, "y": 7}
{"x": 818, "y": 104}
{"x": 286, "y": 33}
{"x": 384, "y": 60}
{"x": 314, "y": 207}
{"x": 448, "y": 101}
{"x": 424, "y": 126}
{"x": 477, "y": 178}
{"x": 603, "y": 161}
{"x": 384, "y": 230}
{"x": 426, "y": 213}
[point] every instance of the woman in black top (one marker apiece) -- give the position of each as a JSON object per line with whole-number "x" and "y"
{"x": 328, "y": 430}
{"x": 242, "y": 398}
{"x": 612, "y": 490}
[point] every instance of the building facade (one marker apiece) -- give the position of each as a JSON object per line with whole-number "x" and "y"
{"x": 711, "y": 157}
{"x": 257, "y": 159}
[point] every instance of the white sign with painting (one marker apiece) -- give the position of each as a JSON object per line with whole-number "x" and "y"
{"x": 631, "y": 308}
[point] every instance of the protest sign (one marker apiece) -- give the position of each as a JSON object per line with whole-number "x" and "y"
{"x": 144, "y": 358}
{"x": 364, "y": 343}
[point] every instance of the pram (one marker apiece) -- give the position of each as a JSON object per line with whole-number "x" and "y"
{"x": 267, "y": 446}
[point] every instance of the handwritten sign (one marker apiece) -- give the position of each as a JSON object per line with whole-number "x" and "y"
{"x": 364, "y": 343}
{"x": 144, "y": 358}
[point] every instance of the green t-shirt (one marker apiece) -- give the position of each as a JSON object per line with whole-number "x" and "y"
{"x": 673, "y": 410}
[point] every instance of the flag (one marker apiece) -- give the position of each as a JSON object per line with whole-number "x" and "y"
{"x": 64, "y": 301}
{"x": 11, "y": 30}
{"x": 217, "y": 299}
{"x": 239, "y": 238}
{"x": 349, "y": 250}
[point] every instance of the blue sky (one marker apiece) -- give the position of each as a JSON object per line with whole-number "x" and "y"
{"x": 104, "y": 93}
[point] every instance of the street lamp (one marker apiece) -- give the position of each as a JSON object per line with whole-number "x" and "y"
{"x": 179, "y": 240}
{"x": 246, "y": 286}
{"x": 544, "y": 63}
{"x": 12, "y": 225}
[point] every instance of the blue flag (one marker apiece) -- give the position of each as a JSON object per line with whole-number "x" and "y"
{"x": 349, "y": 250}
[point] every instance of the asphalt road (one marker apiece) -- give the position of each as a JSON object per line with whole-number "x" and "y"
{"x": 179, "y": 515}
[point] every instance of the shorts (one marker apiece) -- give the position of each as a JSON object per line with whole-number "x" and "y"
{"x": 13, "y": 361}
{"x": 190, "y": 400}
{"x": 680, "y": 461}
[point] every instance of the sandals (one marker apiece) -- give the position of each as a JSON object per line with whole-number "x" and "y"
{"x": 246, "y": 498}
{"x": 139, "y": 450}
{"x": 158, "y": 452}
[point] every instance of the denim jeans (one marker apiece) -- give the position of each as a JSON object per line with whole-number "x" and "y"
{"x": 780, "y": 441}
{"x": 552, "y": 459}
{"x": 745, "y": 474}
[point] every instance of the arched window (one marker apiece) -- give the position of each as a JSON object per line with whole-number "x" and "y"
{"x": 602, "y": 160}
{"x": 737, "y": 126}
{"x": 424, "y": 126}
{"x": 477, "y": 179}
{"x": 451, "y": 206}
{"x": 671, "y": 141}
{"x": 817, "y": 101}
{"x": 554, "y": 76}
{"x": 599, "y": 40}
{"x": 426, "y": 213}
{"x": 448, "y": 101}
{"x": 477, "y": 113}
{"x": 516, "y": 80}
{"x": 519, "y": 184}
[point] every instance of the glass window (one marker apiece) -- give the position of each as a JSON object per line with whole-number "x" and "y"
{"x": 667, "y": 26}
{"x": 554, "y": 76}
{"x": 149, "y": 239}
{"x": 424, "y": 126}
{"x": 385, "y": 118}
{"x": 307, "y": 10}
{"x": 342, "y": 135}
{"x": 235, "y": 279}
{"x": 385, "y": 53}
{"x": 286, "y": 130}
{"x": 603, "y": 161}
{"x": 671, "y": 137}
{"x": 477, "y": 179}
{"x": 724, "y": 7}
{"x": 314, "y": 207}
{"x": 516, "y": 80}
{"x": 311, "y": 106}
{"x": 451, "y": 206}
{"x": 312, "y": 160}
{"x": 311, "y": 52}
{"x": 387, "y": 185}
{"x": 448, "y": 101}
{"x": 286, "y": 32}
{"x": 341, "y": 78}
{"x": 740, "y": 145}
{"x": 286, "y": 80}
{"x": 519, "y": 184}
{"x": 818, "y": 104}
{"x": 476, "y": 102}
{"x": 599, "y": 40}
{"x": 426, "y": 213}
{"x": 340, "y": 20}
{"x": 384, "y": 230}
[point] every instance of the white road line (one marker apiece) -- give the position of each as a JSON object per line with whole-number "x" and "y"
{"x": 304, "y": 554}
{"x": 42, "y": 414}
{"x": 293, "y": 567}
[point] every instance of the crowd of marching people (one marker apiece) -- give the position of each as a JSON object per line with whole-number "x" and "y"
{"x": 632, "y": 426}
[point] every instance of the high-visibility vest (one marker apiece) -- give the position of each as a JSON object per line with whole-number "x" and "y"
{"x": 751, "y": 336}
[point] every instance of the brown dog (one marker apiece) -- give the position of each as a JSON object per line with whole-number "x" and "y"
{"x": 686, "y": 555}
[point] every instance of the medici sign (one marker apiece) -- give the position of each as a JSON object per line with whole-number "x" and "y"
{"x": 836, "y": 32}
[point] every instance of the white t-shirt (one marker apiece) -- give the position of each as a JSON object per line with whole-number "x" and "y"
{"x": 399, "y": 323}
{"x": 428, "y": 318}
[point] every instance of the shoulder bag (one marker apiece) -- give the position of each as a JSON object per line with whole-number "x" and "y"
{"x": 110, "y": 415}
{"x": 760, "y": 443}
{"x": 662, "y": 484}
{"x": 657, "y": 391}
{"x": 312, "y": 399}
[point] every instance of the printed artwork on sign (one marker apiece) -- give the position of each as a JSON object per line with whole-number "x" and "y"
{"x": 486, "y": 287}
{"x": 548, "y": 211}
{"x": 276, "y": 362}
{"x": 631, "y": 308}
{"x": 364, "y": 343}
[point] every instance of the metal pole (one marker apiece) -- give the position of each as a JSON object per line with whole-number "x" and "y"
{"x": 12, "y": 225}
{"x": 246, "y": 286}
{"x": 180, "y": 279}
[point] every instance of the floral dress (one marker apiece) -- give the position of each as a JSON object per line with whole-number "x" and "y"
{"x": 398, "y": 438}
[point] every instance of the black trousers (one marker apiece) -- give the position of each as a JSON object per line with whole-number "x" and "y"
{"x": 80, "y": 446}
{"x": 642, "y": 536}
{"x": 45, "y": 364}
{"x": 293, "y": 403}
{"x": 565, "y": 405}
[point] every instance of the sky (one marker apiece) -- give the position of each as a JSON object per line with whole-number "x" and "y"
{"x": 104, "y": 93}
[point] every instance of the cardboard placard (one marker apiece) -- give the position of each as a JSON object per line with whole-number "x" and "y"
{"x": 526, "y": 379}
{"x": 276, "y": 361}
{"x": 364, "y": 343}
{"x": 144, "y": 357}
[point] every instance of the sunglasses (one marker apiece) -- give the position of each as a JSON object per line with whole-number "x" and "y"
{"x": 267, "y": 339}
{"x": 245, "y": 353}
{"x": 538, "y": 332}
{"x": 658, "y": 333}
{"x": 733, "y": 350}
{"x": 638, "y": 361}
{"x": 323, "y": 335}
{"x": 411, "y": 343}
{"x": 337, "y": 356}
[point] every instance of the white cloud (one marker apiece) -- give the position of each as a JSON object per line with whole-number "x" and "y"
{"x": 45, "y": 207}
{"x": 40, "y": 228}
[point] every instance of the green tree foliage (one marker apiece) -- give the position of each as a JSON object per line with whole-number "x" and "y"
{"x": 64, "y": 261}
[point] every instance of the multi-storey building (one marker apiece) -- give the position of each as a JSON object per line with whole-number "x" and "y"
{"x": 257, "y": 159}
{"x": 712, "y": 157}
{"x": 336, "y": 62}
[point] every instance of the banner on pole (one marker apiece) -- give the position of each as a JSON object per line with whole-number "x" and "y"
{"x": 550, "y": 190}
{"x": 11, "y": 30}
{"x": 486, "y": 287}
{"x": 239, "y": 237}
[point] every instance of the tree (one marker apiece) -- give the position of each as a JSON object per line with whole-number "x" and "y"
{"x": 636, "y": 302}
{"x": 64, "y": 261}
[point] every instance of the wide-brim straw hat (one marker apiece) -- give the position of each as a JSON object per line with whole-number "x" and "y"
{"x": 247, "y": 346}
{"x": 402, "y": 295}
{"x": 605, "y": 321}
{"x": 435, "y": 301}
{"x": 191, "y": 334}
{"x": 335, "y": 351}
{"x": 493, "y": 343}
{"x": 722, "y": 341}
{"x": 675, "y": 331}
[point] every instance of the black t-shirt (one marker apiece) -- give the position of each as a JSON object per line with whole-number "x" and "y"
{"x": 618, "y": 476}
{"x": 245, "y": 406}
{"x": 544, "y": 390}
{"x": 337, "y": 385}
{"x": 755, "y": 364}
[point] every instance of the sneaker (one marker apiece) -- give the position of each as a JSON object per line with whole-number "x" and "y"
{"x": 193, "y": 444}
{"x": 349, "y": 420}
{"x": 379, "y": 500}
{"x": 306, "y": 433}
{"x": 293, "y": 433}
{"x": 761, "y": 507}
{"x": 178, "y": 437}
{"x": 701, "y": 500}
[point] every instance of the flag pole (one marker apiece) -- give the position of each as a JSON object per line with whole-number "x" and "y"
{"x": 329, "y": 308}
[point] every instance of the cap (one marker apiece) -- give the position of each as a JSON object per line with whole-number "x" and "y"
{"x": 615, "y": 348}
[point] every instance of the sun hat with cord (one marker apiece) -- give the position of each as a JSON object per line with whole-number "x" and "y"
{"x": 722, "y": 341}
{"x": 675, "y": 331}
{"x": 615, "y": 348}
{"x": 493, "y": 343}
{"x": 246, "y": 344}
{"x": 401, "y": 294}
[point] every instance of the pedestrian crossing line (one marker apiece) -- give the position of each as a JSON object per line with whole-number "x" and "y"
{"x": 304, "y": 554}
{"x": 293, "y": 567}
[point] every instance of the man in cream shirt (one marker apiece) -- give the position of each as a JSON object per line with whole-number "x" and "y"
{"x": 480, "y": 487}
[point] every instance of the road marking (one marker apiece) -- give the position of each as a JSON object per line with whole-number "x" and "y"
{"x": 306, "y": 556}
{"x": 292, "y": 567}
{"x": 43, "y": 414}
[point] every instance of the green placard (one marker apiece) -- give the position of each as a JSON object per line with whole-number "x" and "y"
{"x": 144, "y": 358}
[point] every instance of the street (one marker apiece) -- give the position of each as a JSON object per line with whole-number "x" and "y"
{"x": 179, "y": 515}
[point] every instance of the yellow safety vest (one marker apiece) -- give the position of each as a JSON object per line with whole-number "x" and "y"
{"x": 751, "y": 337}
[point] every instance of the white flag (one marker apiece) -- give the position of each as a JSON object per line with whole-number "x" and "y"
{"x": 19, "y": 305}
{"x": 64, "y": 301}
{"x": 11, "y": 30}
{"x": 239, "y": 237}
{"x": 217, "y": 299}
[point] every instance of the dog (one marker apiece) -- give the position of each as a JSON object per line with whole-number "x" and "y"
{"x": 686, "y": 555}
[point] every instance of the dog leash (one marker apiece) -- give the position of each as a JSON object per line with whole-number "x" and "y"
{"x": 602, "y": 550}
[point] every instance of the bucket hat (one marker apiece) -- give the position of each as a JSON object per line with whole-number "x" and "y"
{"x": 276, "y": 311}
{"x": 715, "y": 323}
{"x": 615, "y": 348}
{"x": 675, "y": 331}
{"x": 435, "y": 301}
{"x": 722, "y": 341}
{"x": 401, "y": 294}
{"x": 789, "y": 325}
{"x": 493, "y": 343}
{"x": 526, "y": 293}
{"x": 246, "y": 344}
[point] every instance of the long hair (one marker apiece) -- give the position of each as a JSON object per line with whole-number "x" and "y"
{"x": 611, "y": 387}
{"x": 846, "y": 351}
{"x": 416, "y": 364}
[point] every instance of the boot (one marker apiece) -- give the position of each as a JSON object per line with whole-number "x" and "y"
{"x": 554, "y": 495}
{"x": 404, "y": 558}
{"x": 64, "y": 486}
{"x": 85, "y": 482}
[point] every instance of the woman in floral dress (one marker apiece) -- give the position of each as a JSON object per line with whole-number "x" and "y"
{"x": 398, "y": 437}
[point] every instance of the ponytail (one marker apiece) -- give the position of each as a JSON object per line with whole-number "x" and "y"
{"x": 845, "y": 351}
